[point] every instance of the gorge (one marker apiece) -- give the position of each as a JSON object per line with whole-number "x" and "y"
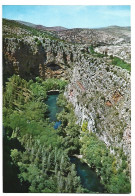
{"x": 98, "y": 91}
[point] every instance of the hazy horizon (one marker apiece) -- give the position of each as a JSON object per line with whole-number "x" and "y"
{"x": 66, "y": 27}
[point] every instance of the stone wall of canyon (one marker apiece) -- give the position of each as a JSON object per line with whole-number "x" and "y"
{"x": 99, "y": 92}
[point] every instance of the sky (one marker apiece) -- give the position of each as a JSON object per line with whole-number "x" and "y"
{"x": 75, "y": 16}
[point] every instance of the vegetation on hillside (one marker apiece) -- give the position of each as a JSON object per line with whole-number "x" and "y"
{"x": 96, "y": 54}
{"x": 120, "y": 63}
{"x": 26, "y": 31}
{"x": 114, "y": 60}
{"x": 114, "y": 177}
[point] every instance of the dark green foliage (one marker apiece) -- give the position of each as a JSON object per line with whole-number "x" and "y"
{"x": 107, "y": 69}
{"x": 36, "y": 39}
{"x": 91, "y": 49}
{"x": 46, "y": 168}
{"x": 11, "y": 183}
{"x": 69, "y": 130}
{"x": 17, "y": 92}
{"x": 95, "y": 54}
{"x": 43, "y": 164}
{"x": 111, "y": 56}
{"x": 54, "y": 84}
{"x": 38, "y": 91}
{"x": 61, "y": 101}
{"x": 98, "y": 156}
{"x": 39, "y": 43}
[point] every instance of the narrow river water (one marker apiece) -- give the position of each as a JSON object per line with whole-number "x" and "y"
{"x": 88, "y": 176}
{"x": 53, "y": 108}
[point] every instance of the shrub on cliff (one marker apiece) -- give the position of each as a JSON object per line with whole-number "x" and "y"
{"x": 39, "y": 43}
{"x": 85, "y": 126}
{"x": 36, "y": 39}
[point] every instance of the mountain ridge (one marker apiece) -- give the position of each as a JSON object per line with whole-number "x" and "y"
{"x": 62, "y": 28}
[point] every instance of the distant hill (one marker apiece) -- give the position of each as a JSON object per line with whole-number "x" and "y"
{"x": 41, "y": 27}
{"x": 27, "y": 23}
{"x": 105, "y": 36}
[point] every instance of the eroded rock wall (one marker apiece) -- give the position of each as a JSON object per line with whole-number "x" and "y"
{"x": 100, "y": 94}
{"x": 29, "y": 58}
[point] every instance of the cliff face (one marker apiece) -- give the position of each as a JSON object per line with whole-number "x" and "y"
{"x": 100, "y": 94}
{"x": 30, "y": 59}
{"x": 30, "y": 53}
{"x": 46, "y": 58}
{"x": 99, "y": 91}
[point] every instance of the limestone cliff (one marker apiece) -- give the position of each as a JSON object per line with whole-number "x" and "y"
{"x": 100, "y": 94}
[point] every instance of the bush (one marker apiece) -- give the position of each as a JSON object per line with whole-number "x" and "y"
{"x": 36, "y": 39}
{"x": 111, "y": 56}
{"x": 96, "y": 54}
{"x": 91, "y": 49}
{"x": 107, "y": 69}
{"x": 84, "y": 126}
{"x": 39, "y": 43}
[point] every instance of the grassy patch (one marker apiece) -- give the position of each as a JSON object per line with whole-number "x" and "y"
{"x": 96, "y": 54}
{"x": 115, "y": 60}
{"x": 120, "y": 63}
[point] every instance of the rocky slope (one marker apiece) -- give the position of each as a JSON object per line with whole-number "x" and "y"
{"x": 115, "y": 40}
{"x": 29, "y": 53}
{"x": 101, "y": 36}
{"x": 41, "y": 27}
{"x": 99, "y": 91}
{"x": 100, "y": 94}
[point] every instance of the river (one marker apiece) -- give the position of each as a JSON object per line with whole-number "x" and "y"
{"x": 53, "y": 108}
{"x": 88, "y": 176}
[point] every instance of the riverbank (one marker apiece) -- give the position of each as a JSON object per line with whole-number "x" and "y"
{"x": 88, "y": 176}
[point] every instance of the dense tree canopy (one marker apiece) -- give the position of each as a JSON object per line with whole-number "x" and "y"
{"x": 113, "y": 176}
{"x": 43, "y": 163}
{"x": 39, "y": 154}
